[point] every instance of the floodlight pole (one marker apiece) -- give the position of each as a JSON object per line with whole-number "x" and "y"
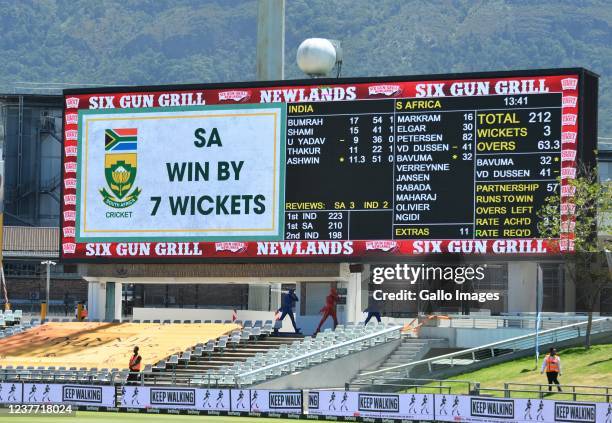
{"x": 270, "y": 40}
{"x": 49, "y": 263}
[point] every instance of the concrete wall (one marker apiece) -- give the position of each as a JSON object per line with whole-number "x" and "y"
{"x": 309, "y": 323}
{"x": 334, "y": 373}
{"x": 96, "y": 301}
{"x": 522, "y": 277}
{"x": 205, "y": 314}
{"x": 257, "y": 275}
{"x": 468, "y": 337}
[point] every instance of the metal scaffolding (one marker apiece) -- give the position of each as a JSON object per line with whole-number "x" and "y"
{"x": 31, "y": 134}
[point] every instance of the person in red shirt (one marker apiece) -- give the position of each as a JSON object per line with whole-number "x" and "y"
{"x": 329, "y": 309}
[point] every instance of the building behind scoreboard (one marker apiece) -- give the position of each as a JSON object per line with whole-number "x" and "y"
{"x": 31, "y": 134}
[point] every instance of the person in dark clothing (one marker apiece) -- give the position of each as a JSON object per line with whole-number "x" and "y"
{"x": 288, "y": 301}
{"x": 66, "y": 304}
{"x": 373, "y": 310}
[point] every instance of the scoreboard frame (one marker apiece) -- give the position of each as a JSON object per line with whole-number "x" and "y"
{"x": 586, "y": 145}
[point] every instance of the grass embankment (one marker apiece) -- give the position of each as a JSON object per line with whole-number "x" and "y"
{"x": 591, "y": 367}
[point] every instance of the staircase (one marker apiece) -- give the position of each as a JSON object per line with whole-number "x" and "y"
{"x": 411, "y": 349}
{"x": 197, "y": 366}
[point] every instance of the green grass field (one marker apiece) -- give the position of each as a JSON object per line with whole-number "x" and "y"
{"x": 579, "y": 366}
{"x": 99, "y": 417}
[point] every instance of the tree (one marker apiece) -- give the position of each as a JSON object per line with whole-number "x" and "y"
{"x": 591, "y": 223}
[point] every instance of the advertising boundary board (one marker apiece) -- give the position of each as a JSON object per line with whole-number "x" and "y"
{"x": 347, "y": 405}
{"x": 55, "y": 393}
{"x": 353, "y": 250}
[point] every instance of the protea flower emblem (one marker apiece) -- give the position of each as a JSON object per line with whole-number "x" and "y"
{"x": 121, "y": 176}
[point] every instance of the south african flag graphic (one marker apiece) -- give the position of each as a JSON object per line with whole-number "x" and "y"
{"x": 120, "y": 163}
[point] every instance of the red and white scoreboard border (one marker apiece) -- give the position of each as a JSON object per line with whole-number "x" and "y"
{"x": 71, "y": 250}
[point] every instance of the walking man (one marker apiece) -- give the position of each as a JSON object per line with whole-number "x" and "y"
{"x": 527, "y": 413}
{"x": 240, "y": 400}
{"x": 45, "y": 397}
{"x": 412, "y": 405}
{"x": 66, "y": 304}
{"x": 288, "y": 301}
{"x": 135, "y": 396}
{"x": 552, "y": 366}
{"x": 332, "y": 402}
{"x": 343, "y": 405}
{"x": 219, "y": 399}
{"x": 32, "y": 395}
{"x": 443, "y": 406}
{"x": 456, "y": 406}
{"x": 373, "y": 310}
{"x": 424, "y": 409}
{"x": 329, "y": 309}
{"x": 206, "y": 401}
{"x": 254, "y": 405}
{"x": 540, "y": 415}
{"x": 11, "y": 393}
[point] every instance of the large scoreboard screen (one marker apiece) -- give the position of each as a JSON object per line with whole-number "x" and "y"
{"x": 332, "y": 169}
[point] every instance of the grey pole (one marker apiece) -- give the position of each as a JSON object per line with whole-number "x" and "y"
{"x": 539, "y": 298}
{"x": 270, "y": 40}
{"x": 49, "y": 263}
{"x": 48, "y": 282}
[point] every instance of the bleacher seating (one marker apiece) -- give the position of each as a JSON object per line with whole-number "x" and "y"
{"x": 10, "y": 317}
{"x": 220, "y": 362}
{"x": 11, "y": 323}
{"x": 213, "y": 358}
{"x": 221, "y": 354}
{"x": 325, "y": 346}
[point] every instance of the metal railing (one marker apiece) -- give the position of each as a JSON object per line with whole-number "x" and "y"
{"x": 513, "y": 322}
{"x": 493, "y": 350}
{"x": 415, "y": 385}
{"x": 63, "y": 376}
{"x": 319, "y": 355}
{"x": 209, "y": 380}
{"x": 574, "y": 392}
{"x": 540, "y": 391}
{"x": 509, "y": 389}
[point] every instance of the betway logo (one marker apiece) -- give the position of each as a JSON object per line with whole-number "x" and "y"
{"x": 297, "y": 95}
